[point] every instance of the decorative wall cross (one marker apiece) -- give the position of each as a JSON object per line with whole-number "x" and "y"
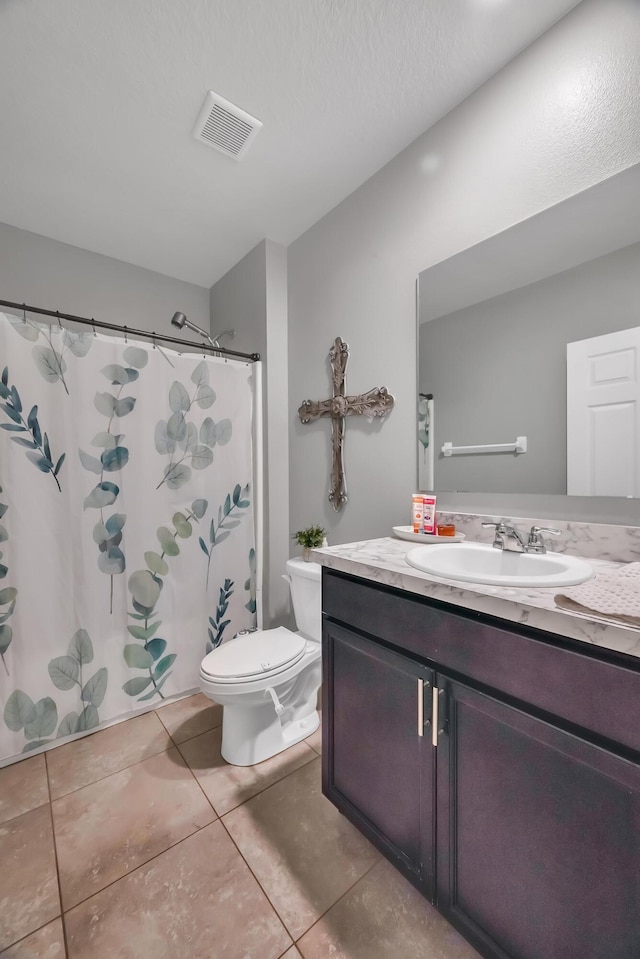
{"x": 376, "y": 402}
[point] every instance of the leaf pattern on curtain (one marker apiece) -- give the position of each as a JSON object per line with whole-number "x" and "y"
{"x": 219, "y": 531}
{"x": 107, "y": 533}
{"x": 153, "y": 484}
{"x": 217, "y": 623}
{"x": 50, "y": 360}
{"x": 178, "y": 437}
{"x": 37, "y": 442}
{"x": 250, "y": 585}
{"x": 38, "y": 720}
{"x": 8, "y": 595}
{"x": 145, "y": 587}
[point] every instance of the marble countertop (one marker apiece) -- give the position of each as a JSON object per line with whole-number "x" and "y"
{"x": 383, "y": 561}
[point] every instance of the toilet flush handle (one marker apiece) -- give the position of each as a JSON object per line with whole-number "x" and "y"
{"x": 279, "y": 708}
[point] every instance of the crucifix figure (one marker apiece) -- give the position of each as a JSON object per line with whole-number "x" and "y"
{"x": 376, "y": 402}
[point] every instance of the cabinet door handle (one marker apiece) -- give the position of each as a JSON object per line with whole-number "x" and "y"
{"x": 421, "y": 707}
{"x": 434, "y": 716}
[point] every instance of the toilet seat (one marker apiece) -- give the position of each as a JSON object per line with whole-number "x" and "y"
{"x": 257, "y": 655}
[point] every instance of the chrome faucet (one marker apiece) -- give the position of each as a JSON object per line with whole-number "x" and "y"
{"x": 505, "y": 533}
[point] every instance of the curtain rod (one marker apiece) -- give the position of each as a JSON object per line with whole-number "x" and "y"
{"x": 128, "y": 330}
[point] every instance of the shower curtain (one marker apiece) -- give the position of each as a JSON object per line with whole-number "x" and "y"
{"x": 126, "y": 526}
{"x": 425, "y": 441}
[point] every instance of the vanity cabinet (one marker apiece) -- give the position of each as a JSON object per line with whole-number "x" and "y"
{"x": 382, "y": 764}
{"x": 522, "y": 822}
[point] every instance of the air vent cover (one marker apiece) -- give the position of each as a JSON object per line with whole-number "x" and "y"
{"x": 225, "y": 127}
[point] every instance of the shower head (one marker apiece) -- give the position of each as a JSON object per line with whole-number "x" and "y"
{"x": 180, "y": 320}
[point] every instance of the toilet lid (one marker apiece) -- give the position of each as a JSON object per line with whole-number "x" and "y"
{"x": 254, "y": 654}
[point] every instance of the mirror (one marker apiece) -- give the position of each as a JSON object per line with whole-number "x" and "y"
{"x": 493, "y": 326}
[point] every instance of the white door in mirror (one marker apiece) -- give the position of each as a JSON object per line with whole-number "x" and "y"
{"x": 603, "y": 400}
{"x": 478, "y": 563}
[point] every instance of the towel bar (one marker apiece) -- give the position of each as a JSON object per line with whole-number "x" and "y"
{"x": 519, "y": 446}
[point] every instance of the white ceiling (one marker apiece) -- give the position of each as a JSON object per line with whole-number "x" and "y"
{"x": 98, "y": 99}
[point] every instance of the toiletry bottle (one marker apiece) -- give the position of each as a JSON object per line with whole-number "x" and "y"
{"x": 429, "y": 520}
{"x": 417, "y": 512}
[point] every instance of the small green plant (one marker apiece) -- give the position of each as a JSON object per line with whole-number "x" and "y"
{"x": 309, "y": 538}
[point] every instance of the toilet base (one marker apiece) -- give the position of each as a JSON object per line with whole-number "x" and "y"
{"x": 252, "y": 734}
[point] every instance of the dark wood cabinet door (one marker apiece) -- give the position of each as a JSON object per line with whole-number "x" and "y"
{"x": 377, "y": 768}
{"x": 538, "y": 836}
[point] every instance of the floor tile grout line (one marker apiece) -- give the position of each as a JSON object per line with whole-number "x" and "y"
{"x": 291, "y": 945}
{"x": 197, "y": 829}
{"x": 199, "y": 785}
{"x": 55, "y": 856}
{"x": 240, "y": 853}
{"x": 46, "y": 776}
{"x": 271, "y": 785}
{"x": 113, "y": 773}
{"x": 5, "y": 822}
{"x": 341, "y": 896}
{"x": 164, "y": 726}
{"x": 334, "y": 904}
{"x": 17, "y": 942}
{"x": 170, "y": 734}
{"x": 253, "y": 795}
{"x": 140, "y": 866}
{"x": 172, "y": 745}
{"x": 155, "y": 713}
{"x": 121, "y": 769}
{"x": 260, "y": 886}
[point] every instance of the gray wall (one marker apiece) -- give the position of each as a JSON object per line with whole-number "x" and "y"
{"x": 252, "y": 299}
{"x": 498, "y": 370}
{"x": 53, "y": 275}
{"x": 552, "y": 123}
{"x": 238, "y": 302}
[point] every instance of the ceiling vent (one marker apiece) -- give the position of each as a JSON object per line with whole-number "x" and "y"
{"x": 225, "y": 127}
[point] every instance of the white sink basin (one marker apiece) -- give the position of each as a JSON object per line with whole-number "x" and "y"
{"x": 478, "y": 563}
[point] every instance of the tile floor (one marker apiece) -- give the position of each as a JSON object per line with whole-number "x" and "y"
{"x": 140, "y": 842}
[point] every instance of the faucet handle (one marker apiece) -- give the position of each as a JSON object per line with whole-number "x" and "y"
{"x": 535, "y": 543}
{"x": 500, "y": 530}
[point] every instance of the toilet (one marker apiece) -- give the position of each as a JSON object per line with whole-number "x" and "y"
{"x": 267, "y": 681}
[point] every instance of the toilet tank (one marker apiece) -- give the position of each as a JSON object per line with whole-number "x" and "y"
{"x": 305, "y": 582}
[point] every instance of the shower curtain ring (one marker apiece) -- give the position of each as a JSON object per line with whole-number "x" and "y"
{"x": 24, "y": 313}
{"x": 93, "y": 325}
{"x": 153, "y": 340}
{"x": 125, "y": 335}
{"x": 58, "y": 316}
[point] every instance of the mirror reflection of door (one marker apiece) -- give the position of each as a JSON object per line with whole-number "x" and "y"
{"x": 603, "y": 415}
